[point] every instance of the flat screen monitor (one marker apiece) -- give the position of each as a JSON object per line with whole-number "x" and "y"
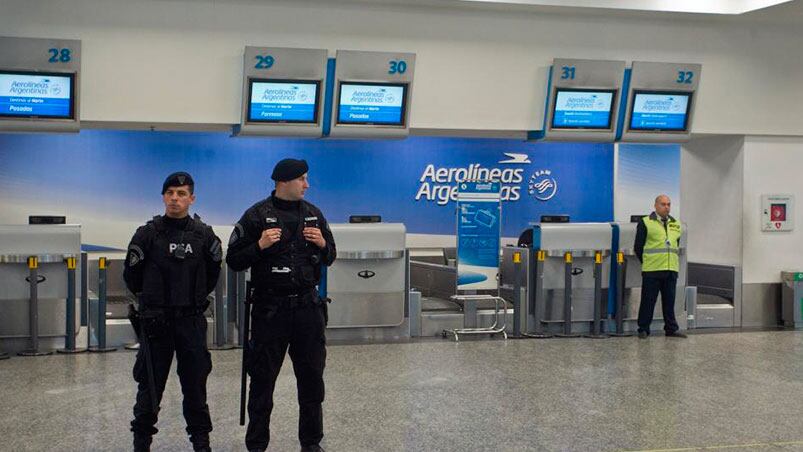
{"x": 583, "y": 108}
{"x": 283, "y": 101}
{"x": 660, "y": 111}
{"x": 372, "y": 103}
{"x": 37, "y": 95}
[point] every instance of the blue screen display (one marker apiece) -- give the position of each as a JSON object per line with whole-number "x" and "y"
{"x": 660, "y": 111}
{"x": 372, "y": 103}
{"x": 36, "y": 95}
{"x": 583, "y": 109}
{"x": 283, "y": 101}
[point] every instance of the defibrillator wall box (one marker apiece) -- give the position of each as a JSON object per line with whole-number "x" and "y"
{"x": 777, "y": 212}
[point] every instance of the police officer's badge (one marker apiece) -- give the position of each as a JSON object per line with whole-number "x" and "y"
{"x": 135, "y": 255}
{"x": 236, "y": 234}
{"x": 216, "y": 251}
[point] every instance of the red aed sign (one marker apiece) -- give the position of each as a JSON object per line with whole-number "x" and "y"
{"x": 778, "y": 212}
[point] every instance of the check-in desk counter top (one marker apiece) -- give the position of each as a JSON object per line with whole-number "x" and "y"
{"x": 583, "y": 241}
{"x": 367, "y": 282}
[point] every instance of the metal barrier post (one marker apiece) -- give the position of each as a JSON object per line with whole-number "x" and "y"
{"x": 517, "y": 298}
{"x": 221, "y": 316}
{"x": 69, "y": 338}
{"x": 596, "y": 324}
{"x": 537, "y": 295}
{"x": 101, "y": 328}
{"x": 84, "y": 289}
{"x": 567, "y": 298}
{"x": 33, "y": 309}
{"x": 619, "y": 315}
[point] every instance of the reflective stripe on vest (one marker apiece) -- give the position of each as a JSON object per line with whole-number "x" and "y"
{"x": 661, "y": 250}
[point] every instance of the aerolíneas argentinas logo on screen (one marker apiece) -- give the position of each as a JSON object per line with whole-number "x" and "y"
{"x": 30, "y": 88}
{"x": 277, "y": 95}
{"x": 374, "y": 96}
{"x": 653, "y": 105}
{"x": 440, "y": 184}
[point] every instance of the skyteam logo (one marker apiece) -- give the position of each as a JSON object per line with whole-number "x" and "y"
{"x": 542, "y": 186}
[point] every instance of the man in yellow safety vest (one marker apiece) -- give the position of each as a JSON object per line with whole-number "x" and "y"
{"x": 657, "y": 247}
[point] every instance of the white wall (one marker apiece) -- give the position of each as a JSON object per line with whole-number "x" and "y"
{"x": 772, "y": 165}
{"x": 711, "y": 187}
{"x": 180, "y": 61}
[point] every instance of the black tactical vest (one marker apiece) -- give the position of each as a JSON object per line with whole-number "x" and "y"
{"x": 293, "y": 267}
{"x": 175, "y": 269}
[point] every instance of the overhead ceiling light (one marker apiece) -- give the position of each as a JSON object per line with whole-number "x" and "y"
{"x": 673, "y": 6}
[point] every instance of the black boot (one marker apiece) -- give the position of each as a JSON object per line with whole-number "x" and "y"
{"x": 312, "y": 448}
{"x": 142, "y": 443}
{"x": 200, "y": 443}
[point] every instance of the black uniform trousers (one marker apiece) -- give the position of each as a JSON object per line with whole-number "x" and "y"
{"x": 653, "y": 283}
{"x": 275, "y": 328}
{"x": 184, "y": 335}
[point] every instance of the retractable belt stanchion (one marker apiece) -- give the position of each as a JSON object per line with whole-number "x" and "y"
{"x": 101, "y": 328}
{"x": 69, "y": 338}
{"x": 596, "y": 324}
{"x": 221, "y": 315}
{"x": 537, "y": 291}
{"x": 33, "y": 313}
{"x": 84, "y": 290}
{"x": 517, "y": 298}
{"x": 567, "y": 298}
{"x": 621, "y": 277}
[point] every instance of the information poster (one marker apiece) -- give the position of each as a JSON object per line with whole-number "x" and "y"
{"x": 478, "y": 230}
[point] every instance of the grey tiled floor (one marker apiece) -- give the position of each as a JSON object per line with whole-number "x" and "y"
{"x": 733, "y": 389}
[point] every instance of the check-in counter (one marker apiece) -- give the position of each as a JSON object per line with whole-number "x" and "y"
{"x": 52, "y": 245}
{"x": 576, "y": 256}
{"x": 368, "y": 280}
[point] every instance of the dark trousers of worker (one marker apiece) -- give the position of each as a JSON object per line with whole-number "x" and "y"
{"x": 274, "y": 330}
{"x": 186, "y": 337}
{"x": 653, "y": 283}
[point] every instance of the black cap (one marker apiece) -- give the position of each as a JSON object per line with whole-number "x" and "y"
{"x": 177, "y": 180}
{"x": 289, "y": 169}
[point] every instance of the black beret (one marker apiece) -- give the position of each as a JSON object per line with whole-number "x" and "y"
{"x": 289, "y": 169}
{"x": 177, "y": 180}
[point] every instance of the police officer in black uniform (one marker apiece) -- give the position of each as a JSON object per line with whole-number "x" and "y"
{"x": 285, "y": 240}
{"x": 173, "y": 263}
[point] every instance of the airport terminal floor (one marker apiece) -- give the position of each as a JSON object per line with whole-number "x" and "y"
{"x": 724, "y": 391}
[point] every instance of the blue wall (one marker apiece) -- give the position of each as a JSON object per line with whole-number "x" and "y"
{"x": 118, "y": 174}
